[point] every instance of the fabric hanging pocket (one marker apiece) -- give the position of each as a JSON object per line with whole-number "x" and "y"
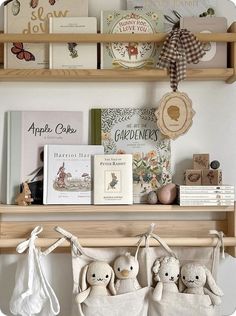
{"x": 32, "y": 294}
{"x": 134, "y": 303}
{"x": 176, "y": 303}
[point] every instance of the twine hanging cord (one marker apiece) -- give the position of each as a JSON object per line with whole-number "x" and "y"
{"x": 180, "y": 48}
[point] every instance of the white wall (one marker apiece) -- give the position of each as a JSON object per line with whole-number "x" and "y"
{"x": 213, "y": 131}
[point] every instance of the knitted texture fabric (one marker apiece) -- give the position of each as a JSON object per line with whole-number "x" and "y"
{"x": 180, "y": 47}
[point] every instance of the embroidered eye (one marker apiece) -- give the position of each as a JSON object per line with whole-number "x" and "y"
{"x": 178, "y": 276}
{"x": 183, "y": 277}
{"x": 93, "y": 275}
{"x": 166, "y": 274}
{"x": 197, "y": 277}
{"x": 131, "y": 268}
{"x": 107, "y": 276}
{"x": 118, "y": 269}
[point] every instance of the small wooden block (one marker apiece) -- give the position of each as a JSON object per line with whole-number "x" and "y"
{"x": 193, "y": 177}
{"x": 201, "y": 161}
{"x": 212, "y": 177}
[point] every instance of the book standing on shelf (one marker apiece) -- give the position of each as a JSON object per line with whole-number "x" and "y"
{"x": 73, "y": 55}
{"x": 134, "y": 131}
{"x": 28, "y": 132}
{"x": 132, "y": 54}
{"x": 68, "y": 173}
{"x": 31, "y": 17}
{"x": 113, "y": 179}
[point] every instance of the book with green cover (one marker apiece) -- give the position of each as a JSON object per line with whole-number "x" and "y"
{"x": 134, "y": 131}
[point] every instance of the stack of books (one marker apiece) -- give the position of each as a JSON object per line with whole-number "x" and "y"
{"x": 205, "y": 195}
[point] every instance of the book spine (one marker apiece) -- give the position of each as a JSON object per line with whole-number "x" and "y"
{"x": 207, "y": 196}
{"x": 45, "y": 174}
{"x": 206, "y": 203}
{"x": 96, "y": 127}
{"x": 208, "y": 192}
{"x": 205, "y": 187}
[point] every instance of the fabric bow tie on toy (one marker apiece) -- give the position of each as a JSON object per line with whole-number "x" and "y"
{"x": 180, "y": 47}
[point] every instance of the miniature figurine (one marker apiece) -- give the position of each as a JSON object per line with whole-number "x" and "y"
{"x": 24, "y": 198}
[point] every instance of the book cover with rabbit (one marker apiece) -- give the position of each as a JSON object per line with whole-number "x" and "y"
{"x": 113, "y": 180}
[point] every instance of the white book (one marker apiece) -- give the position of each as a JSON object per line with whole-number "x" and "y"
{"x": 206, "y": 196}
{"x": 113, "y": 179}
{"x": 73, "y": 55}
{"x": 206, "y": 203}
{"x": 205, "y": 187}
{"x": 68, "y": 173}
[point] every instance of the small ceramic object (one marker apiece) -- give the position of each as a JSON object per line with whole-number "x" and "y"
{"x": 167, "y": 194}
{"x": 215, "y": 164}
{"x": 24, "y": 198}
{"x": 152, "y": 197}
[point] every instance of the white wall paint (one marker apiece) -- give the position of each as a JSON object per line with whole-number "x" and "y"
{"x": 213, "y": 131}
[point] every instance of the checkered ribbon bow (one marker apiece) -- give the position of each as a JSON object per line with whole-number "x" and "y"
{"x": 180, "y": 47}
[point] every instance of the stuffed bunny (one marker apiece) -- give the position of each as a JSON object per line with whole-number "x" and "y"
{"x": 98, "y": 275}
{"x": 126, "y": 269}
{"x": 166, "y": 270}
{"x": 195, "y": 277}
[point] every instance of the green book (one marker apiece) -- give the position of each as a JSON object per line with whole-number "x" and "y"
{"x": 134, "y": 131}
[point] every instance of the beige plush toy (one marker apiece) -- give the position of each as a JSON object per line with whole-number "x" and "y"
{"x": 126, "y": 269}
{"x": 166, "y": 270}
{"x": 197, "y": 279}
{"x": 96, "y": 277}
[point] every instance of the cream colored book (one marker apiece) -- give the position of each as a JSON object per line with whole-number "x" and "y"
{"x": 113, "y": 179}
{"x": 73, "y": 55}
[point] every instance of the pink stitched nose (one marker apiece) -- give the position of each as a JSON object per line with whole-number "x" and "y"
{"x": 125, "y": 273}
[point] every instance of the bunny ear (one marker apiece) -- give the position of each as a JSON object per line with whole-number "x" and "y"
{"x": 212, "y": 284}
{"x": 182, "y": 286}
{"x": 84, "y": 284}
{"x": 111, "y": 285}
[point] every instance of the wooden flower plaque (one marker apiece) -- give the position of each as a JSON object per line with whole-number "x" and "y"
{"x": 174, "y": 114}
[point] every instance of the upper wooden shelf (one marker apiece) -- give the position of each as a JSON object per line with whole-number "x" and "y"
{"x": 136, "y": 208}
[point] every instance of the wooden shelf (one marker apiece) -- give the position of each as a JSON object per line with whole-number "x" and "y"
{"x": 136, "y": 208}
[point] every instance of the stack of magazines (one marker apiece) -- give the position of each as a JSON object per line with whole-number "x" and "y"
{"x": 205, "y": 195}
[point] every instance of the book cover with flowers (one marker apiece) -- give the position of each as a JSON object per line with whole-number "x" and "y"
{"x": 134, "y": 131}
{"x": 132, "y": 54}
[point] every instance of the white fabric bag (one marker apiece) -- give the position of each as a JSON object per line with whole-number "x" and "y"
{"x": 173, "y": 304}
{"x": 32, "y": 294}
{"x": 128, "y": 304}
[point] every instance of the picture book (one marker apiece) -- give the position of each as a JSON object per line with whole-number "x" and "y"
{"x": 68, "y": 173}
{"x": 132, "y": 54}
{"x": 216, "y": 53}
{"x": 73, "y": 55}
{"x": 28, "y": 132}
{"x": 31, "y": 17}
{"x": 172, "y": 10}
{"x": 134, "y": 131}
{"x": 113, "y": 179}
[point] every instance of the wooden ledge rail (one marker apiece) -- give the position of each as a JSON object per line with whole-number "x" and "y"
{"x": 107, "y": 38}
{"x": 124, "y": 242}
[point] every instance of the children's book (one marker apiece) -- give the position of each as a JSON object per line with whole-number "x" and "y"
{"x": 73, "y": 55}
{"x": 132, "y": 54}
{"x": 28, "y": 132}
{"x": 113, "y": 179}
{"x": 31, "y": 17}
{"x": 134, "y": 131}
{"x": 68, "y": 173}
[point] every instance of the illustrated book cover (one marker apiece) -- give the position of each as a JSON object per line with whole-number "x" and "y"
{"x": 31, "y": 17}
{"x": 132, "y": 54}
{"x": 216, "y": 53}
{"x": 68, "y": 173}
{"x": 73, "y": 55}
{"x": 28, "y": 132}
{"x": 134, "y": 131}
{"x": 113, "y": 179}
{"x": 173, "y": 9}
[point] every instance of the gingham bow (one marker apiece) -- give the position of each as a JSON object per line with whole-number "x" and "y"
{"x": 180, "y": 47}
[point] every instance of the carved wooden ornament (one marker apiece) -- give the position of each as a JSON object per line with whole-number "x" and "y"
{"x": 174, "y": 114}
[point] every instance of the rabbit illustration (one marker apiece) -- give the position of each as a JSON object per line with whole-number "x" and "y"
{"x": 197, "y": 279}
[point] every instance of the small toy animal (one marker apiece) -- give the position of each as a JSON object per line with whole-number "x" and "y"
{"x": 166, "y": 270}
{"x": 24, "y": 198}
{"x": 194, "y": 279}
{"x": 126, "y": 269}
{"x": 96, "y": 276}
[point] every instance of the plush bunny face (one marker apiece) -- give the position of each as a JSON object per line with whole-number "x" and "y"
{"x": 126, "y": 267}
{"x": 166, "y": 269}
{"x": 99, "y": 273}
{"x": 193, "y": 275}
